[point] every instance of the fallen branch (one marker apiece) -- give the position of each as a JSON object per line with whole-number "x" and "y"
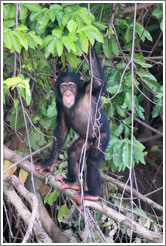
{"x": 139, "y": 229}
{"x": 125, "y": 221}
{"x": 26, "y": 215}
{"x": 135, "y": 193}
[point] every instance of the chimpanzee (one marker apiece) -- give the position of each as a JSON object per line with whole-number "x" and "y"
{"x": 73, "y": 100}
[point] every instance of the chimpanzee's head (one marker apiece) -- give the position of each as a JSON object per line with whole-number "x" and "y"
{"x": 68, "y": 85}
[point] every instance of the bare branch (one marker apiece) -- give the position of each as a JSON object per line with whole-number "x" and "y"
{"x": 125, "y": 221}
{"x": 140, "y": 6}
{"x": 139, "y": 229}
{"x": 121, "y": 185}
{"x": 27, "y": 216}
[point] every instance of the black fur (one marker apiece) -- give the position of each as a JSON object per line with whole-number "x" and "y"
{"x": 76, "y": 117}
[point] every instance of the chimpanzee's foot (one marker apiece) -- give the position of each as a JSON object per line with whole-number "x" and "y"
{"x": 78, "y": 198}
{"x": 67, "y": 184}
{"x": 42, "y": 170}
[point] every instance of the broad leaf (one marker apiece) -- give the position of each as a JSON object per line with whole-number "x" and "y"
{"x": 68, "y": 43}
{"x": 59, "y": 47}
{"x": 22, "y": 38}
{"x": 107, "y": 47}
{"x": 33, "y": 7}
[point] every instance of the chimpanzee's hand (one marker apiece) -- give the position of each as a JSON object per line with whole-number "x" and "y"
{"x": 41, "y": 168}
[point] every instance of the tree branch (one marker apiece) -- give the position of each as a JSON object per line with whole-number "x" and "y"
{"x": 125, "y": 221}
{"x": 121, "y": 185}
{"x": 140, "y": 6}
{"x": 139, "y": 229}
{"x": 26, "y": 215}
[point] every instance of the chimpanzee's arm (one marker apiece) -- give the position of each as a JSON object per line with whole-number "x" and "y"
{"x": 60, "y": 134}
{"x": 96, "y": 70}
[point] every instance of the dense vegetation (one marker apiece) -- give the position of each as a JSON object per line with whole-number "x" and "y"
{"x": 42, "y": 40}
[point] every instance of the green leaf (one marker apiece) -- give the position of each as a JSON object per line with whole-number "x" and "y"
{"x": 148, "y": 78}
{"x": 161, "y": 25}
{"x": 51, "y": 47}
{"x": 15, "y": 81}
{"x": 120, "y": 110}
{"x": 45, "y": 20}
{"x": 85, "y": 18}
{"x": 113, "y": 82}
{"x": 72, "y": 26}
{"x": 92, "y": 33}
{"x": 63, "y": 59}
{"x": 51, "y": 197}
{"x": 5, "y": 91}
{"x": 84, "y": 41}
{"x": 23, "y": 12}
{"x": 5, "y": 12}
{"x": 27, "y": 92}
{"x": 118, "y": 130}
{"x": 7, "y": 38}
{"x": 157, "y": 110}
{"x": 107, "y": 47}
{"x": 62, "y": 211}
{"x": 31, "y": 43}
{"x": 52, "y": 111}
{"x": 56, "y": 6}
{"x": 158, "y": 13}
{"x": 59, "y": 47}
{"x": 138, "y": 152}
{"x": 68, "y": 43}
{"x": 79, "y": 21}
{"x": 143, "y": 33}
{"x": 127, "y": 101}
{"x": 117, "y": 153}
{"x": 16, "y": 103}
{"x": 139, "y": 59}
{"x": 100, "y": 25}
{"x": 72, "y": 59}
{"x": 126, "y": 152}
{"x": 52, "y": 14}
{"x": 16, "y": 43}
{"x": 128, "y": 34}
{"x": 46, "y": 40}
{"x": 33, "y": 6}
{"x": 65, "y": 19}
{"x": 36, "y": 139}
{"x": 22, "y": 28}
{"x": 57, "y": 33}
{"x": 37, "y": 39}
{"x": 34, "y": 15}
{"x": 146, "y": 74}
{"x": 115, "y": 47}
{"x": 22, "y": 38}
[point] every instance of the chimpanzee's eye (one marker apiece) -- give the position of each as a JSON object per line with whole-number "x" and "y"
{"x": 63, "y": 87}
{"x": 72, "y": 86}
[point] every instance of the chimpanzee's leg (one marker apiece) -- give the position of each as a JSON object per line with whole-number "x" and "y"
{"x": 74, "y": 153}
{"x": 96, "y": 154}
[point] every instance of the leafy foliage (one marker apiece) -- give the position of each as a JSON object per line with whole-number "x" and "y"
{"x": 64, "y": 31}
{"x": 55, "y": 37}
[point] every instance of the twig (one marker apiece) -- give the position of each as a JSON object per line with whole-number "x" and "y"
{"x": 143, "y": 198}
{"x": 27, "y": 157}
{"x": 146, "y": 125}
{"x": 132, "y": 119}
{"x": 140, "y": 6}
{"x": 158, "y": 39}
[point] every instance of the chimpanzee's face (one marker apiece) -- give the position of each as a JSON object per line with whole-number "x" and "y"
{"x": 68, "y": 91}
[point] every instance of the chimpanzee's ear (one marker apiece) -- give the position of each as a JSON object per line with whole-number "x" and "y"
{"x": 54, "y": 81}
